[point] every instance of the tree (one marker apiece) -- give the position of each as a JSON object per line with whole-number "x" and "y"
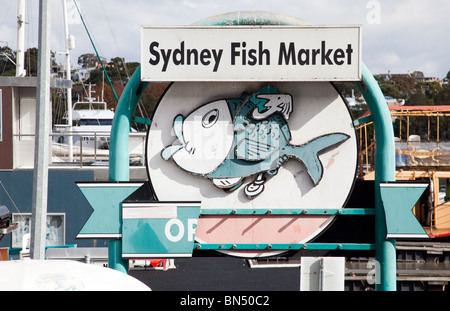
{"x": 404, "y": 83}
{"x": 108, "y": 95}
{"x": 389, "y": 89}
{"x": 151, "y": 96}
{"x": 89, "y": 60}
{"x": 7, "y": 60}
{"x": 31, "y": 56}
{"x": 417, "y": 99}
{"x": 132, "y": 66}
{"x": 418, "y": 75}
{"x": 96, "y": 76}
{"x": 443, "y": 97}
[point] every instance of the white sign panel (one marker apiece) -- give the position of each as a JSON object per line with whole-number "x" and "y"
{"x": 240, "y": 53}
{"x": 211, "y": 142}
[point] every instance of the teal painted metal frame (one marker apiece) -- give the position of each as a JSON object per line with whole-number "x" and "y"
{"x": 386, "y": 255}
{"x": 285, "y": 246}
{"x": 293, "y": 211}
{"x": 384, "y": 155}
{"x": 119, "y": 166}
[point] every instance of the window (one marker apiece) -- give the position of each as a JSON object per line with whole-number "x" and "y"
{"x": 56, "y": 229}
{"x": 95, "y": 122}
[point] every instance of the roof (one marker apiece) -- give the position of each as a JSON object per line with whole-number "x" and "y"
{"x": 417, "y": 108}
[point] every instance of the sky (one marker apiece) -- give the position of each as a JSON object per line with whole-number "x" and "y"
{"x": 399, "y": 36}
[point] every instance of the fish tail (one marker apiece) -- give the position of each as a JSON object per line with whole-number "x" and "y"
{"x": 309, "y": 153}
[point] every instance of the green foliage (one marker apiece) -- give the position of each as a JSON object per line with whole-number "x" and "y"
{"x": 443, "y": 97}
{"x": 416, "y": 90}
{"x": 31, "y": 56}
{"x": 417, "y": 99}
{"x": 88, "y": 60}
{"x": 390, "y": 90}
{"x": 7, "y": 60}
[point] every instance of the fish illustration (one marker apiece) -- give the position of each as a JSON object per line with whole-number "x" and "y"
{"x": 229, "y": 140}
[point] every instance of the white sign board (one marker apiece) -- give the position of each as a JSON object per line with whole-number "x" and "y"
{"x": 209, "y": 142}
{"x": 242, "y": 53}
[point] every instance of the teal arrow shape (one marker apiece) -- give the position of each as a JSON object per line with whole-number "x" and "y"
{"x": 105, "y": 199}
{"x": 399, "y": 199}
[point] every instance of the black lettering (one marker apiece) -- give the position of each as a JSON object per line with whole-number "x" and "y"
{"x": 338, "y": 54}
{"x": 326, "y": 56}
{"x": 315, "y": 52}
{"x": 234, "y": 53}
{"x": 304, "y": 61}
{"x": 252, "y": 57}
{"x": 179, "y": 52}
{"x": 217, "y": 57}
{"x": 349, "y": 54}
{"x": 286, "y": 55}
{"x": 166, "y": 57}
{"x": 244, "y": 53}
{"x": 154, "y": 52}
{"x": 264, "y": 52}
{"x": 204, "y": 56}
{"x": 189, "y": 54}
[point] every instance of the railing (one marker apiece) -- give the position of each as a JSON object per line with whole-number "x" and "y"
{"x": 87, "y": 149}
{"x": 422, "y": 153}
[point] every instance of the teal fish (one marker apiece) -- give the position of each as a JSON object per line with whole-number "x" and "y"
{"x": 228, "y": 140}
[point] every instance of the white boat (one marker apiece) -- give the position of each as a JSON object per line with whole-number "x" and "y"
{"x": 90, "y": 131}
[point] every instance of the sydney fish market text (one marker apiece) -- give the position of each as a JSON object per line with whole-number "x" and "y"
{"x": 241, "y": 53}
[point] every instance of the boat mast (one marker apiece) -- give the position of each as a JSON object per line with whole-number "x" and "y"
{"x": 69, "y": 46}
{"x": 41, "y": 149}
{"x": 20, "y": 62}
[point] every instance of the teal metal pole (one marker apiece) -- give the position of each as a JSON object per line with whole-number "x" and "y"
{"x": 119, "y": 158}
{"x": 119, "y": 169}
{"x": 115, "y": 260}
{"x": 386, "y": 267}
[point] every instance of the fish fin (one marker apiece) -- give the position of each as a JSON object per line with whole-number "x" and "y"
{"x": 169, "y": 151}
{"x": 309, "y": 153}
{"x": 251, "y": 150}
{"x": 267, "y": 107}
{"x": 228, "y": 183}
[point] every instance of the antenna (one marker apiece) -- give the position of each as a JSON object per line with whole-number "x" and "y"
{"x": 70, "y": 45}
{"x": 20, "y": 62}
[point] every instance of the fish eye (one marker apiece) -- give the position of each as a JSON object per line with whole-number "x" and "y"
{"x": 210, "y": 118}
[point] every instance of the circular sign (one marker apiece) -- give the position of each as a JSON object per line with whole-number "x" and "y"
{"x": 253, "y": 145}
